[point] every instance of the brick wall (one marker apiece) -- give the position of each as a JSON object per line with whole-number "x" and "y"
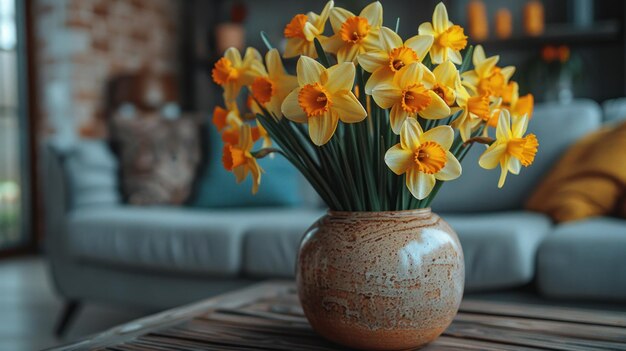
{"x": 83, "y": 43}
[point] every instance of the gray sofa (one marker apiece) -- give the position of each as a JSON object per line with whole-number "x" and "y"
{"x": 159, "y": 257}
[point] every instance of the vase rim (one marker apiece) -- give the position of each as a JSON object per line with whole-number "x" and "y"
{"x": 418, "y": 212}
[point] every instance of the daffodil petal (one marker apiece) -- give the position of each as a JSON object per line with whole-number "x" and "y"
{"x": 322, "y": 128}
{"x": 440, "y": 18}
{"x": 373, "y": 60}
{"x": 437, "y": 109}
{"x": 348, "y": 53}
{"x": 245, "y": 138}
{"x": 240, "y": 172}
{"x": 454, "y": 56}
{"x": 410, "y": 75}
{"x": 479, "y": 55}
{"x": 514, "y": 165}
{"x": 389, "y": 39}
{"x": 348, "y": 107}
{"x": 426, "y": 28}
{"x": 452, "y": 169}
{"x": 520, "y": 124}
{"x": 332, "y": 44}
{"x": 340, "y": 77}
{"x": 446, "y": 73}
{"x": 419, "y": 184}
{"x": 504, "y": 170}
{"x": 256, "y": 172}
{"x": 233, "y": 55}
{"x": 381, "y": 76}
{"x": 442, "y": 135}
{"x": 492, "y": 156}
{"x": 486, "y": 65}
{"x": 309, "y": 70}
{"x": 397, "y": 116}
{"x": 428, "y": 78}
{"x": 373, "y": 13}
{"x": 507, "y": 72}
{"x": 421, "y": 44}
{"x": 386, "y": 95}
{"x": 285, "y": 85}
{"x": 291, "y": 108}
{"x": 323, "y": 17}
{"x": 274, "y": 63}
{"x": 338, "y": 16}
{"x": 293, "y": 47}
{"x": 310, "y": 31}
{"x": 252, "y": 55}
{"x": 399, "y": 159}
{"x": 410, "y": 134}
{"x": 438, "y": 54}
{"x": 503, "y": 130}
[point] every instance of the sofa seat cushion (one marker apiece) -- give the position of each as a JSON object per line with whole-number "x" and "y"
{"x": 499, "y": 248}
{"x": 177, "y": 239}
{"x": 584, "y": 259}
{"x": 270, "y": 249}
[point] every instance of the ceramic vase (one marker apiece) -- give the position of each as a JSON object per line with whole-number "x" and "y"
{"x": 380, "y": 280}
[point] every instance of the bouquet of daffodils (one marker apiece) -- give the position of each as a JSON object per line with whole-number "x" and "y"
{"x": 374, "y": 122}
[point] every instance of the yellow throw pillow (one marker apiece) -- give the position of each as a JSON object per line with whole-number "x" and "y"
{"x": 588, "y": 181}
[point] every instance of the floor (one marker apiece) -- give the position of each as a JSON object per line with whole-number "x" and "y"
{"x": 29, "y": 308}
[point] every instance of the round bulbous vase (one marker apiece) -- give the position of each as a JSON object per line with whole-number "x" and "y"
{"x": 380, "y": 280}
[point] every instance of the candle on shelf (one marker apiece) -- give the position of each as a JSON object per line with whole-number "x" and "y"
{"x": 504, "y": 23}
{"x": 478, "y": 24}
{"x": 533, "y": 18}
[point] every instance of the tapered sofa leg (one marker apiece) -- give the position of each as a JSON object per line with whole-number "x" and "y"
{"x": 70, "y": 310}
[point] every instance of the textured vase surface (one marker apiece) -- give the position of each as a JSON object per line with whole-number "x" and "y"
{"x": 380, "y": 280}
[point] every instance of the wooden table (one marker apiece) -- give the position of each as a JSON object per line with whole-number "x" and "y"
{"x": 267, "y": 316}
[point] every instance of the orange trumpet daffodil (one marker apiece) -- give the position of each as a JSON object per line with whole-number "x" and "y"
{"x": 512, "y": 149}
{"x": 232, "y": 73}
{"x": 423, "y": 157}
{"x": 303, "y": 29}
{"x": 354, "y": 34}
{"x": 449, "y": 37}
{"x": 409, "y": 94}
{"x": 239, "y": 160}
{"x": 270, "y": 89}
{"x": 323, "y": 97}
{"x": 394, "y": 55}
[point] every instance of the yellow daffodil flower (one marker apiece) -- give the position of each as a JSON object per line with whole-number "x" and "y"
{"x": 324, "y": 97}
{"x": 512, "y": 149}
{"x": 486, "y": 77}
{"x": 232, "y": 73}
{"x": 423, "y": 157}
{"x": 239, "y": 160}
{"x": 447, "y": 82}
{"x": 355, "y": 35}
{"x": 449, "y": 38}
{"x": 271, "y": 89}
{"x": 301, "y": 31}
{"x": 409, "y": 94}
{"x": 475, "y": 110}
{"x": 393, "y": 56}
{"x": 518, "y": 106}
{"x": 229, "y": 122}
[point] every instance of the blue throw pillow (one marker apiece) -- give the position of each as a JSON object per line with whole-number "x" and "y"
{"x": 281, "y": 184}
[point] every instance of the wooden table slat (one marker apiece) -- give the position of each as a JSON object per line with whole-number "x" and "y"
{"x": 268, "y": 317}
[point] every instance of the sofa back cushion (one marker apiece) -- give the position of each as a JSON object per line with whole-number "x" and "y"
{"x": 91, "y": 170}
{"x": 556, "y": 126}
{"x": 281, "y": 184}
{"x": 158, "y": 158}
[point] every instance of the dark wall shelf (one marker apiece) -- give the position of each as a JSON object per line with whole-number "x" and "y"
{"x": 600, "y": 33}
